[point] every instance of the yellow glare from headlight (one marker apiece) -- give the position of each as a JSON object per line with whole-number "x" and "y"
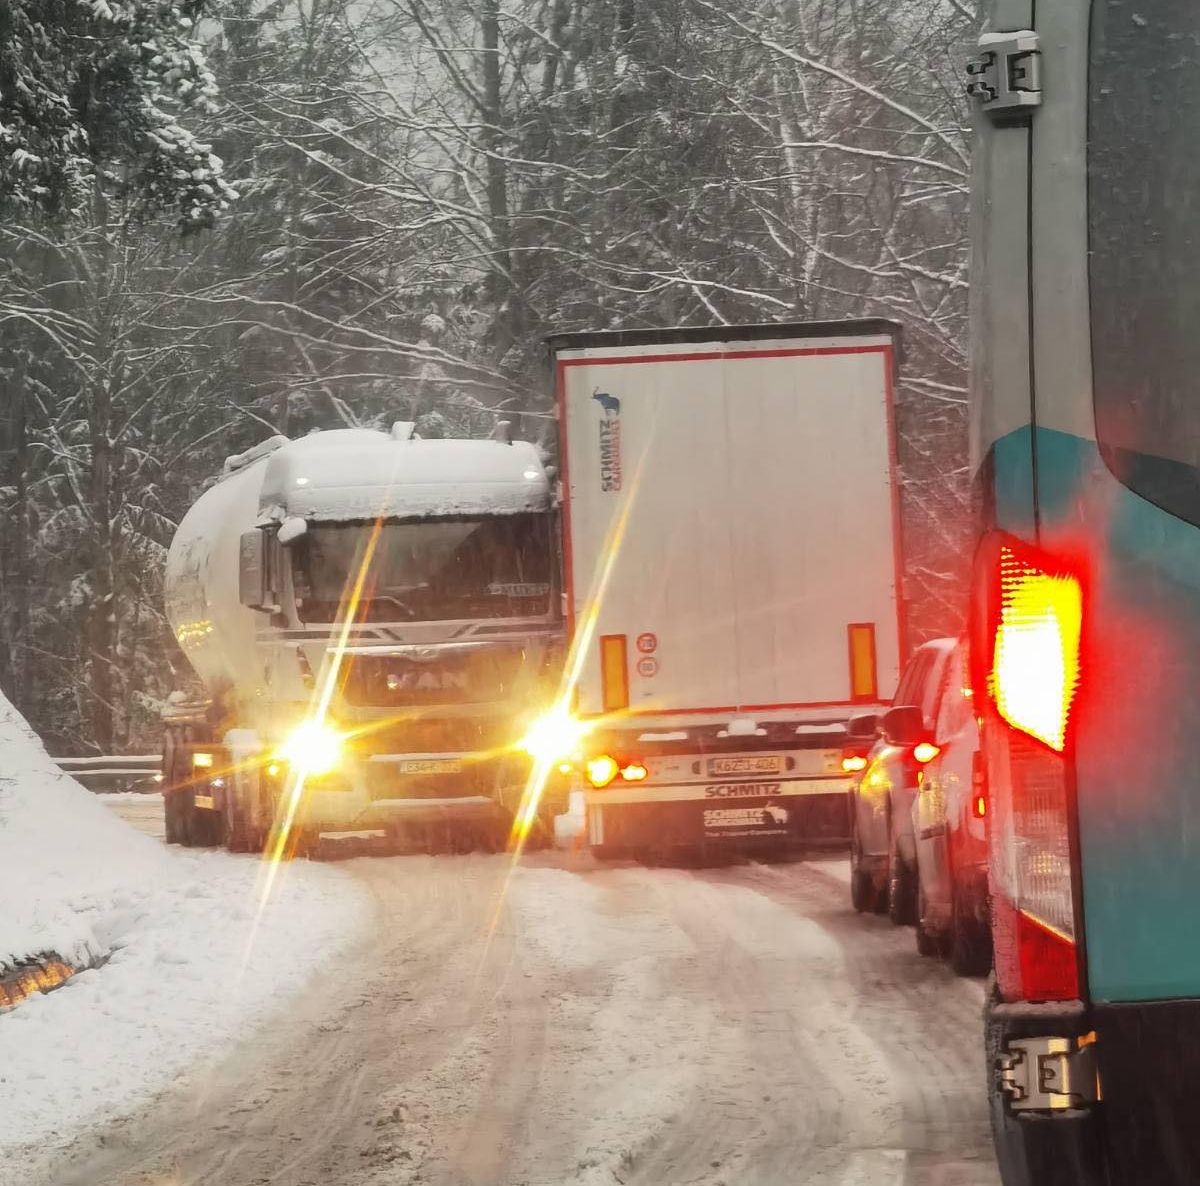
{"x": 555, "y": 735}
{"x": 313, "y": 747}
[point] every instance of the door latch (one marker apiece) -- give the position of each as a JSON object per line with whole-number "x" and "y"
{"x": 1049, "y": 1074}
{"x": 1006, "y": 77}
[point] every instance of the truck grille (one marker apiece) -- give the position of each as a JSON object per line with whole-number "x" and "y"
{"x": 451, "y": 677}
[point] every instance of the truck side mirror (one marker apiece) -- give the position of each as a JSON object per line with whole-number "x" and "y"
{"x": 904, "y": 725}
{"x": 864, "y": 727}
{"x": 252, "y": 570}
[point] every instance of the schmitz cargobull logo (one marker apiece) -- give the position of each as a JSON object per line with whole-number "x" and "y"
{"x": 741, "y": 790}
{"x": 610, "y": 441}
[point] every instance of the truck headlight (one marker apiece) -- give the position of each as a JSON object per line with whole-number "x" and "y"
{"x": 554, "y": 736}
{"x": 313, "y": 747}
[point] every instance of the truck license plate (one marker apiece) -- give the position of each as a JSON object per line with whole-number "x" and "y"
{"x": 747, "y": 764}
{"x": 430, "y": 766}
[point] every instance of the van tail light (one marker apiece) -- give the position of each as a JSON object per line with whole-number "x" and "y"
{"x": 1027, "y": 623}
{"x": 1035, "y": 647}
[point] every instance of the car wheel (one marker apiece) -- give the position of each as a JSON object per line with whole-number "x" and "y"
{"x": 970, "y": 940}
{"x": 863, "y": 893}
{"x": 900, "y": 890}
{"x": 929, "y": 942}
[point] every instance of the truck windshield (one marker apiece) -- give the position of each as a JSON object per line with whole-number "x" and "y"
{"x": 493, "y": 566}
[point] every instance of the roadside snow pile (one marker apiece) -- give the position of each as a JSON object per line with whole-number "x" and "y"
{"x": 65, "y": 859}
{"x": 187, "y": 962}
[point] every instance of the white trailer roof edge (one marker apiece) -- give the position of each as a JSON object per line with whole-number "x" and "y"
{"x": 858, "y": 327}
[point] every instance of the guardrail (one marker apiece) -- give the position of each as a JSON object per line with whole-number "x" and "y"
{"x": 115, "y": 772}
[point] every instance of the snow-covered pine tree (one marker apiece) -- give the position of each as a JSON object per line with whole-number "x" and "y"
{"x": 91, "y": 94}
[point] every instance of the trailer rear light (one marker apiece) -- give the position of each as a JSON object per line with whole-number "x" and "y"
{"x": 925, "y": 751}
{"x": 1028, "y": 623}
{"x": 601, "y": 770}
{"x": 1035, "y": 653}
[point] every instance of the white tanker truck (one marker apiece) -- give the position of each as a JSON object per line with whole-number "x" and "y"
{"x": 377, "y": 622}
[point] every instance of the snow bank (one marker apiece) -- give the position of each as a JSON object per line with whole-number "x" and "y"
{"x": 185, "y": 967}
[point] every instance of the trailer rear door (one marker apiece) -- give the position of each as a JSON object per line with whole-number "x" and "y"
{"x": 731, "y": 517}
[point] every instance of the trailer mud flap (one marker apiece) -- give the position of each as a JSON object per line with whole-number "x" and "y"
{"x": 818, "y": 819}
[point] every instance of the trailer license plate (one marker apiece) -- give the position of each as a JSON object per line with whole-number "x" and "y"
{"x": 430, "y": 766}
{"x": 749, "y": 764}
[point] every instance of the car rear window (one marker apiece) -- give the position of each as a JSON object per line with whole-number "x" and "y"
{"x": 1144, "y": 229}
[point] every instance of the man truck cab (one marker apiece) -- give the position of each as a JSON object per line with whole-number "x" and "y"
{"x": 1085, "y": 624}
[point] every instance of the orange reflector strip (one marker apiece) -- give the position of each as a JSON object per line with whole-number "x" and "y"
{"x": 864, "y": 683}
{"x": 614, "y": 672}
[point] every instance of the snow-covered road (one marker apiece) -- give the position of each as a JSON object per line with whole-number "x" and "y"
{"x": 573, "y": 1023}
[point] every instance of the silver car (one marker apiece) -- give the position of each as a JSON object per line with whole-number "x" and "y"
{"x": 882, "y": 849}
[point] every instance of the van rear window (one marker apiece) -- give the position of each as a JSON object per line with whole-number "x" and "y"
{"x": 1144, "y": 229}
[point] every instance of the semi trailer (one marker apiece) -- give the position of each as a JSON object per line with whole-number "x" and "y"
{"x": 733, "y": 574}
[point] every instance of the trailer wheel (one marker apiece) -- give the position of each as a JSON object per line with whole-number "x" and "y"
{"x": 174, "y": 832}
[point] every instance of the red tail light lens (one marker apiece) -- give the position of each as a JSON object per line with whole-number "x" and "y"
{"x": 1035, "y": 653}
{"x": 1028, "y": 645}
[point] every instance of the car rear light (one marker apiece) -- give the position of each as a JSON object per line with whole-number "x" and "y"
{"x": 1029, "y": 621}
{"x": 978, "y": 787}
{"x": 633, "y": 772}
{"x": 925, "y": 751}
{"x": 853, "y": 763}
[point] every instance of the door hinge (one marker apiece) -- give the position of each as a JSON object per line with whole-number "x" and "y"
{"x": 1006, "y": 77}
{"x": 1049, "y": 1074}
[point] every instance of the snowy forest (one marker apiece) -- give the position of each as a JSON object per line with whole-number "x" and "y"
{"x": 222, "y": 220}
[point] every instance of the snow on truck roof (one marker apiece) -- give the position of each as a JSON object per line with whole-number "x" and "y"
{"x": 361, "y": 474}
